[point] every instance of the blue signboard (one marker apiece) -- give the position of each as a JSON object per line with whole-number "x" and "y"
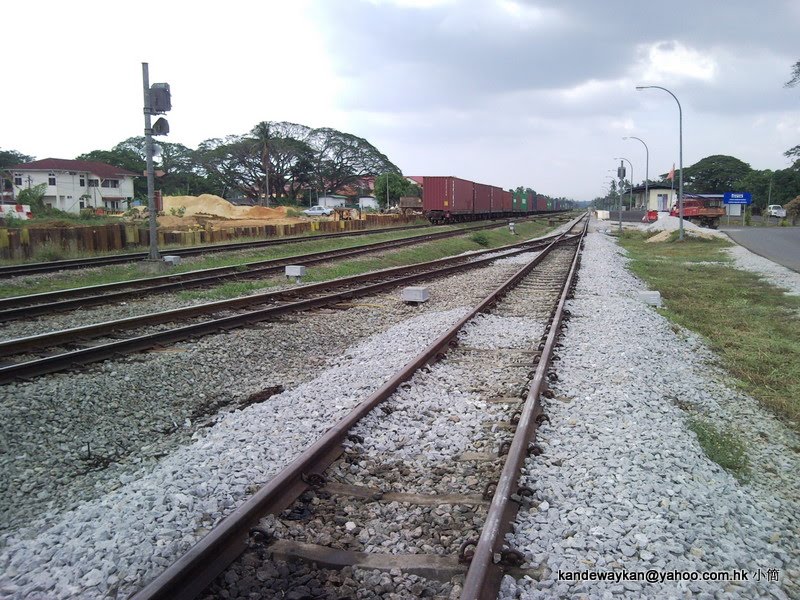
{"x": 737, "y": 198}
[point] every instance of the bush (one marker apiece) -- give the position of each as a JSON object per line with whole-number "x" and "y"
{"x": 177, "y": 212}
{"x": 480, "y": 239}
{"x": 294, "y": 212}
{"x": 748, "y": 215}
{"x": 793, "y": 210}
{"x": 48, "y": 252}
{"x": 12, "y": 220}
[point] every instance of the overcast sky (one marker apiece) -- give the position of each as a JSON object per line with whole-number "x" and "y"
{"x": 506, "y": 92}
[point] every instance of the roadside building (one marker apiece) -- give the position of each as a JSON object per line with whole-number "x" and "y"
{"x": 660, "y": 197}
{"x": 332, "y": 200}
{"x": 368, "y": 202}
{"x": 75, "y": 184}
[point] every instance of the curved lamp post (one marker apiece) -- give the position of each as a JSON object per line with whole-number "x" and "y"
{"x": 646, "y": 169}
{"x": 630, "y": 164}
{"x": 680, "y": 150}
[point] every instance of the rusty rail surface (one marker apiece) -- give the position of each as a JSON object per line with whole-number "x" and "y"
{"x": 387, "y": 278}
{"x": 115, "y": 259}
{"x": 194, "y": 571}
{"x": 45, "y": 303}
{"x": 484, "y": 576}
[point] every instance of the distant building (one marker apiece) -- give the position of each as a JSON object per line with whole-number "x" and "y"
{"x": 661, "y": 197}
{"x": 332, "y": 200}
{"x": 76, "y": 184}
{"x": 368, "y": 202}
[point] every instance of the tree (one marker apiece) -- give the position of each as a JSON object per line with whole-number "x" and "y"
{"x": 795, "y": 75}
{"x": 398, "y": 186}
{"x": 793, "y": 210}
{"x": 34, "y": 197}
{"x": 715, "y": 174}
{"x": 10, "y": 158}
{"x": 343, "y": 159}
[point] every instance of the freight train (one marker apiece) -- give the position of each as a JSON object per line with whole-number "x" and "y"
{"x": 451, "y": 199}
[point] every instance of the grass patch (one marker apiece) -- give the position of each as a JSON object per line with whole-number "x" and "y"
{"x": 750, "y": 324}
{"x": 722, "y": 446}
{"x": 491, "y": 238}
{"x": 126, "y": 272}
{"x": 480, "y": 239}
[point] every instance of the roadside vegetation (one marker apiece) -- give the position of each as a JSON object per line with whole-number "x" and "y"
{"x": 752, "y": 325}
{"x": 723, "y": 447}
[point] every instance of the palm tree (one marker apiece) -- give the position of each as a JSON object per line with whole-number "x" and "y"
{"x": 261, "y": 132}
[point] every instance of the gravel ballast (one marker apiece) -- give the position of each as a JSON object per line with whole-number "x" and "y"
{"x": 623, "y": 484}
{"x": 112, "y": 544}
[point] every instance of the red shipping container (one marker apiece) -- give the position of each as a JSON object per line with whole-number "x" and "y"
{"x": 508, "y": 201}
{"x": 541, "y": 203}
{"x": 447, "y": 195}
{"x": 483, "y": 199}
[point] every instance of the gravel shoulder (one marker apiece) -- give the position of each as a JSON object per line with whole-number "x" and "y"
{"x": 623, "y": 484}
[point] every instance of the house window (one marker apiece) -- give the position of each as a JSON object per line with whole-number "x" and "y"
{"x": 110, "y": 183}
{"x": 51, "y": 179}
{"x": 94, "y": 182}
{"x": 81, "y": 205}
{"x": 18, "y": 180}
{"x": 82, "y": 182}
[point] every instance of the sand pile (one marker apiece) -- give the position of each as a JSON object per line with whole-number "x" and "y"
{"x": 667, "y": 224}
{"x": 208, "y": 204}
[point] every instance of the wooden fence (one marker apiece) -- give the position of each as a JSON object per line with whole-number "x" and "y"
{"x": 51, "y": 243}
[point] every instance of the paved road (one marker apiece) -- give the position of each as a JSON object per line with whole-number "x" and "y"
{"x": 779, "y": 244}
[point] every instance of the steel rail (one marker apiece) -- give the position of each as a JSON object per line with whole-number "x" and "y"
{"x": 100, "y": 261}
{"x": 484, "y": 576}
{"x": 31, "y": 305}
{"x": 114, "y": 349}
{"x": 15, "y": 346}
{"x": 195, "y": 570}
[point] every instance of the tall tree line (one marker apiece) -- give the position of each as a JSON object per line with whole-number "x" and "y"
{"x": 274, "y": 160}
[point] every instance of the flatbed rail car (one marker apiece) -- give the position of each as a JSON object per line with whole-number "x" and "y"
{"x": 705, "y": 212}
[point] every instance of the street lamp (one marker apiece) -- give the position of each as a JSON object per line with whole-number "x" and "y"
{"x": 646, "y": 169}
{"x": 630, "y": 164}
{"x": 680, "y": 150}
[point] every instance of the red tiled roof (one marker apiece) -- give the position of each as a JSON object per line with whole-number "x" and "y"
{"x": 102, "y": 170}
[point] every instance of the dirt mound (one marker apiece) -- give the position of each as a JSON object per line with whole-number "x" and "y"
{"x": 210, "y": 205}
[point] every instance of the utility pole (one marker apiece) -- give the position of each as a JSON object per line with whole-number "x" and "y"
{"x": 621, "y": 175}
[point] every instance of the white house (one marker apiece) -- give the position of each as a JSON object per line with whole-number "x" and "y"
{"x": 368, "y": 202}
{"x": 76, "y": 184}
{"x": 332, "y": 200}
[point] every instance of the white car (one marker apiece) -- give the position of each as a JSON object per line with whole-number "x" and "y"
{"x": 318, "y": 211}
{"x": 777, "y": 211}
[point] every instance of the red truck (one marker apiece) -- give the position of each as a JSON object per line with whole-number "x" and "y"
{"x": 704, "y": 212}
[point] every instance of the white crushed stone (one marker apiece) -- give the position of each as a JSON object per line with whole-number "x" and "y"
{"x": 773, "y": 272}
{"x": 623, "y": 484}
{"x": 116, "y": 543}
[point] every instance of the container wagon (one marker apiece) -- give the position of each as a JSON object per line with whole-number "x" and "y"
{"x": 447, "y": 199}
{"x": 508, "y": 204}
{"x": 483, "y": 201}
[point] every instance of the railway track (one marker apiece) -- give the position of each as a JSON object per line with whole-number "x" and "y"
{"x": 354, "y": 500}
{"x": 116, "y": 259}
{"x": 31, "y": 305}
{"x": 73, "y": 348}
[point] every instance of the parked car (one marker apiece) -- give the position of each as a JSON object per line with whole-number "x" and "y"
{"x": 777, "y": 211}
{"x": 318, "y": 211}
